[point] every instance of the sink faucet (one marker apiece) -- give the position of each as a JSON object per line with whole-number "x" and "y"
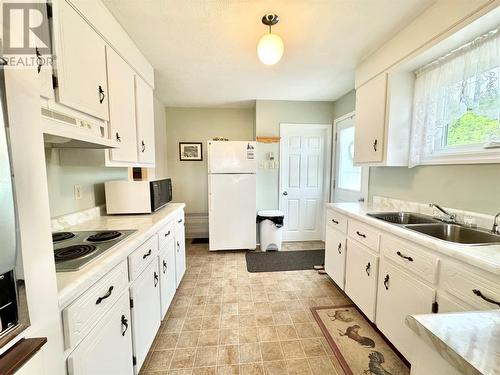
{"x": 495, "y": 224}
{"x": 451, "y": 217}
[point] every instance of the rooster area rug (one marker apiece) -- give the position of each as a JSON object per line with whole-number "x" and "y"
{"x": 358, "y": 347}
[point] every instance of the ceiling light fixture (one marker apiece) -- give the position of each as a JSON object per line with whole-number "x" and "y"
{"x": 270, "y": 47}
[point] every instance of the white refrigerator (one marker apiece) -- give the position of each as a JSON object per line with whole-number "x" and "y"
{"x": 232, "y": 168}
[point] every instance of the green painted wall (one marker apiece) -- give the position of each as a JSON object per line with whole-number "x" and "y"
{"x": 268, "y": 116}
{"x": 189, "y": 178}
{"x": 468, "y": 187}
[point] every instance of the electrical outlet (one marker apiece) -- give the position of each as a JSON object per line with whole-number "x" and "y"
{"x": 77, "y": 192}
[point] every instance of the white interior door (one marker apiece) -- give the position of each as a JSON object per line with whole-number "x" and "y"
{"x": 350, "y": 182}
{"x": 305, "y": 151}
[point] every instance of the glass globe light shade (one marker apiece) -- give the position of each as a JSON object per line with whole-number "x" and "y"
{"x": 270, "y": 49}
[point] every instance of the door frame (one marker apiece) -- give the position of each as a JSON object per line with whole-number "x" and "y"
{"x": 327, "y": 178}
{"x": 365, "y": 176}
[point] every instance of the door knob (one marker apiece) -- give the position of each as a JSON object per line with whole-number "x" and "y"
{"x": 285, "y": 193}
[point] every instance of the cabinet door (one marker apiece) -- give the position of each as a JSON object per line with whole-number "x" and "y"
{"x": 121, "y": 108}
{"x": 145, "y": 122}
{"x": 400, "y": 295}
{"x": 180, "y": 255}
{"x": 107, "y": 350}
{"x": 167, "y": 275}
{"x": 335, "y": 254}
{"x": 370, "y": 120}
{"x": 361, "y": 277}
{"x": 145, "y": 294}
{"x": 81, "y": 63}
{"x": 44, "y": 68}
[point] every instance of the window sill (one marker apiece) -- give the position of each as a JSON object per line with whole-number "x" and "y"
{"x": 473, "y": 157}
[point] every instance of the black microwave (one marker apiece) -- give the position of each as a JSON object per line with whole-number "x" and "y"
{"x": 137, "y": 197}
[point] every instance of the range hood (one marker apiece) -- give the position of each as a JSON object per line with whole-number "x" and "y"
{"x": 63, "y": 131}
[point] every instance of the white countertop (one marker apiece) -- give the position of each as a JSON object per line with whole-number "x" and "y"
{"x": 485, "y": 257}
{"x": 71, "y": 284}
{"x": 469, "y": 341}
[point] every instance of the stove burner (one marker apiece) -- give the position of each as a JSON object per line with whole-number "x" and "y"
{"x": 73, "y": 252}
{"x": 104, "y": 236}
{"x": 61, "y": 236}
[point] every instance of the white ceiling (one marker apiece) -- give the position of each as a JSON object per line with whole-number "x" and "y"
{"x": 204, "y": 51}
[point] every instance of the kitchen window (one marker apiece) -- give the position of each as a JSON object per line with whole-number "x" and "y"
{"x": 456, "y": 106}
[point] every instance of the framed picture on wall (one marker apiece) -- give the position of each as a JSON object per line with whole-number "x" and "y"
{"x": 190, "y": 151}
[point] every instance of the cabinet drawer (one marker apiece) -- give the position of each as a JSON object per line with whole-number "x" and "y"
{"x": 470, "y": 286}
{"x": 179, "y": 221}
{"x": 336, "y": 220}
{"x": 364, "y": 234}
{"x": 166, "y": 233}
{"x": 361, "y": 275}
{"x": 335, "y": 254}
{"x": 86, "y": 310}
{"x": 411, "y": 257}
{"x": 141, "y": 257}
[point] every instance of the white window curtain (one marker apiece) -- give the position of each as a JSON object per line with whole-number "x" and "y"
{"x": 467, "y": 79}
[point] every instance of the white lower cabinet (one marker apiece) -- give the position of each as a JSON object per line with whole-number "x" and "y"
{"x": 400, "y": 295}
{"x": 107, "y": 350}
{"x": 180, "y": 254}
{"x": 361, "y": 277}
{"x": 335, "y": 255}
{"x": 145, "y": 308}
{"x": 167, "y": 275}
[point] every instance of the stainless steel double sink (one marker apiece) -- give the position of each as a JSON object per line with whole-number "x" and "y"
{"x": 430, "y": 226}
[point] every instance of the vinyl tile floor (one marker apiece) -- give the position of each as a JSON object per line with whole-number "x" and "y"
{"x": 225, "y": 320}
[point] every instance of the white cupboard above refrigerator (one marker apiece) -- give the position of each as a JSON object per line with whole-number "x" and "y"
{"x": 232, "y": 189}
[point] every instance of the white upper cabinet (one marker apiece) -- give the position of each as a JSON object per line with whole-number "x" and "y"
{"x": 145, "y": 122}
{"x": 383, "y": 119}
{"x": 370, "y": 120}
{"x": 80, "y": 63}
{"x": 122, "y": 124}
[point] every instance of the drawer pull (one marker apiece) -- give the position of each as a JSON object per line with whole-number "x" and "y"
{"x": 368, "y": 268}
{"x": 179, "y": 221}
{"x": 167, "y": 234}
{"x": 108, "y": 293}
{"x": 478, "y": 293}
{"x": 147, "y": 254}
{"x": 102, "y": 95}
{"x": 164, "y": 266}
{"x": 404, "y": 256}
{"x": 375, "y": 145}
{"x": 124, "y": 324}
{"x": 386, "y": 282}
{"x": 361, "y": 234}
{"x": 156, "y": 279}
{"x": 339, "y": 248}
{"x": 335, "y": 221}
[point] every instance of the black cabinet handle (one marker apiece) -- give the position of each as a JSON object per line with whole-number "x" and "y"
{"x": 147, "y": 254}
{"x": 164, "y": 266}
{"x": 156, "y": 279}
{"x": 368, "y": 268}
{"x": 143, "y": 146}
{"x": 386, "y": 282}
{"x": 178, "y": 246}
{"x": 118, "y": 138}
{"x": 375, "y": 142}
{"x": 179, "y": 221}
{"x": 478, "y": 293}
{"x": 361, "y": 234}
{"x": 404, "y": 256}
{"x": 334, "y": 221}
{"x": 339, "y": 248}
{"x": 167, "y": 234}
{"x": 101, "y": 94}
{"x": 108, "y": 293}
{"x": 124, "y": 324}
{"x": 39, "y": 61}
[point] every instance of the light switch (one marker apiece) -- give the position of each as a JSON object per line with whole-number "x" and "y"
{"x": 77, "y": 192}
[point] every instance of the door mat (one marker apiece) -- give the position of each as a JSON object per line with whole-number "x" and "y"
{"x": 272, "y": 261}
{"x": 357, "y": 346}
{"x": 195, "y": 241}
